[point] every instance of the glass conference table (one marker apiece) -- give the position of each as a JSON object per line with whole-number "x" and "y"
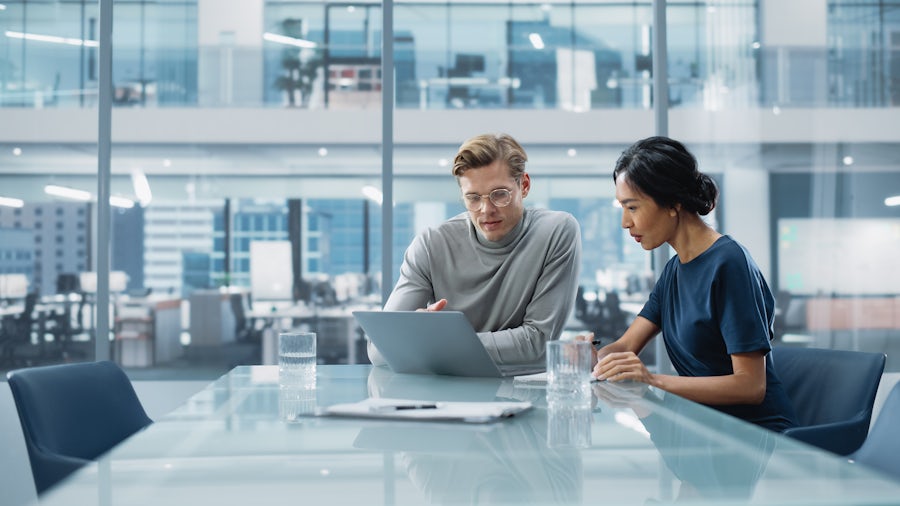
{"x": 238, "y": 442}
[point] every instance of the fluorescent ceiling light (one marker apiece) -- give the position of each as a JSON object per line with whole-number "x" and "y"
{"x": 536, "y": 40}
{"x": 141, "y": 187}
{"x": 892, "y": 201}
{"x": 2, "y": 7}
{"x": 290, "y": 41}
{"x": 52, "y": 39}
{"x": 121, "y": 202}
{"x": 10, "y": 202}
{"x": 373, "y": 194}
{"x": 67, "y": 193}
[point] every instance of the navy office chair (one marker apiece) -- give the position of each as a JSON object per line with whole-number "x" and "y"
{"x": 73, "y": 413}
{"x": 833, "y": 392}
{"x": 881, "y": 450}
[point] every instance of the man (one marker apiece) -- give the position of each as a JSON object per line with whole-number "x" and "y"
{"x": 512, "y": 271}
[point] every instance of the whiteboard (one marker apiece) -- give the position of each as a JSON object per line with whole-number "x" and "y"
{"x": 271, "y": 270}
{"x": 842, "y": 256}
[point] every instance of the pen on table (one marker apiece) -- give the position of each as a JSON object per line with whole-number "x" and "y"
{"x": 401, "y": 407}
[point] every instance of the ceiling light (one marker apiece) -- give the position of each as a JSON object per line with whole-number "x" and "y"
{"x": 572, "y": 152}
{"x": 166, "y": 162}
{"x": 756, "y": 45}
{"x": 141, "y": 187}
{"x": 892, "y": 201}
{"x": 443, "y": 162}
{"x": 290, "y": 41}
{"x": 121, "y": 202}
{"x": 323, "y": 151}
{"x": 67, "y": 193}
{"x": 351, "y": 8}
{"x": 536, "y": 40}
{"x": 10, "y": 202}
{"x": 848, "y": 160}
{"x": 52, "y": 39}
{"x": 2, "y": 7}
{"x": 17, "y": 151}
{"x": 373, "y": 194}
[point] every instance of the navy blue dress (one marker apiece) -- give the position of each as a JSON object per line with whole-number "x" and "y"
{"x": 711, "y": 307}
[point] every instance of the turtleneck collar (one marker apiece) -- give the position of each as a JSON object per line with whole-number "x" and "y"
{"x": 507, "y": 240}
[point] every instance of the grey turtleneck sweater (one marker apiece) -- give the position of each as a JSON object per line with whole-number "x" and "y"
{"x": 517, "y": 292}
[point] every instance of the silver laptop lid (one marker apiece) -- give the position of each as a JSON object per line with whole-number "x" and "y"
{"x": 428, "y": 342}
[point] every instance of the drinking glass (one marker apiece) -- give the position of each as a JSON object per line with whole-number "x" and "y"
{"x": 297, "y": 360}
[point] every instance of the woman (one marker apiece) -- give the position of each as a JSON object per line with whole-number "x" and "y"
{"x": 711, "y": 302}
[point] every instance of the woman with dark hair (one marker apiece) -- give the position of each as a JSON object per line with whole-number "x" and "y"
{"x": 711, "y": 301}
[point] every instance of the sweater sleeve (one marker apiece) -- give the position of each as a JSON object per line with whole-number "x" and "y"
{"x": 412, "y": 291}
{"x": 549, "y": 308}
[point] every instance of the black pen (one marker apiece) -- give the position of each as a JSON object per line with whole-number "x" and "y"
{"x": 596, "y": 342}
{"x": 403, "y": 407}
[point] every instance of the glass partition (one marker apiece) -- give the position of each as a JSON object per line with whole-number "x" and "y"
{"x": 263, "y": 126}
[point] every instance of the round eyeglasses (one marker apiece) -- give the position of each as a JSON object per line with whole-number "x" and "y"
{"x": 501, "y": 197}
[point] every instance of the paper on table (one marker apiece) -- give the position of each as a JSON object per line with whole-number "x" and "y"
{"x": 414, "y": 409}
{"x": 540, "y": 377}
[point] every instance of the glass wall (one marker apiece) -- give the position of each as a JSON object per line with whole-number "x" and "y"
{"x": 247, "y": 144}
{"x": 534, "y": 55}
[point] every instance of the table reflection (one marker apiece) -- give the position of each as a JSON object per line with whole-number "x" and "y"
{"x": 476, "y": 463}
{"x": 707, "y": 467}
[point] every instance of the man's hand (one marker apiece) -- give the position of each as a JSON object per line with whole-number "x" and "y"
{"x": 589, "y": 337}
{"x": 437, "y": 306}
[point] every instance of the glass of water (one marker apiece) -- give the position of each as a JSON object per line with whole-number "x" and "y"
{"x": 297, "y": 360}
{"x": 568, "y": 373}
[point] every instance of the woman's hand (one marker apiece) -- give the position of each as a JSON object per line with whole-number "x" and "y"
{"x": 621, "y": 366}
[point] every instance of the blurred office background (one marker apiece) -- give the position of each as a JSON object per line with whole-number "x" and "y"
{"x": 247, "y": 161}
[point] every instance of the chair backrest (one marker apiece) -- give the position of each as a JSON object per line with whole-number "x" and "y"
{"x": 881, "y": 450}
{"x": 72, "y": 414}
{"x": 831, "y": 386}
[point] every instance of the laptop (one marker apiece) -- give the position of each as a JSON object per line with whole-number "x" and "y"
{"x": 433, "y": 342}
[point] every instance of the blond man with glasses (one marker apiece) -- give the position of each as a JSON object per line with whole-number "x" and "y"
{"x": 512, "y": 271}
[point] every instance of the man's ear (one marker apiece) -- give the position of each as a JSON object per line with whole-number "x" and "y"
{"x": 525, "y": 181}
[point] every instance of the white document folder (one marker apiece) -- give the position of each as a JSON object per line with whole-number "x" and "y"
{"x": 424, "y": 410}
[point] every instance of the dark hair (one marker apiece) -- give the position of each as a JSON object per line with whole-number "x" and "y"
{"x": 664, "y": 170}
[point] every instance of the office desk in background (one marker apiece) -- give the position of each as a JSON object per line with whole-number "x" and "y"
{"x": 335, "y": 327}
{"x": 147, "y": 330}
{"x": 228, "y": 444}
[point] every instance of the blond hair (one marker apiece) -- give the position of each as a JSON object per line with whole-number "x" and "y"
{"x": 483, "y": 150}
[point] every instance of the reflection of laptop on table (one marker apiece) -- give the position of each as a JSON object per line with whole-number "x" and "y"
{"x": 432, "y": 342}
